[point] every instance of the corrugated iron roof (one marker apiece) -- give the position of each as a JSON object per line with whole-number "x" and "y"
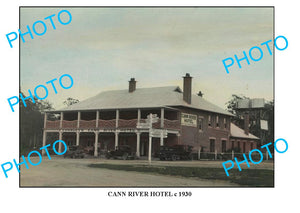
{"x": 143, "y": 98}
{"x": 237, "y": 132}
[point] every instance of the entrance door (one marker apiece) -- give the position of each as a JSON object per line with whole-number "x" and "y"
{"x": 142, "y": 151}
{"x": 212, "y": 145}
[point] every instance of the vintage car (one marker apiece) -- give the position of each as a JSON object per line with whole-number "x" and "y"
{"x": 122, "y": 151}
{"x": 176, "y": 152}
{"x": 74, "y": 152}
{"x": 89, "y": 150}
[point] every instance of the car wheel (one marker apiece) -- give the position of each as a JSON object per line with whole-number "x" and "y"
{"x": 174, "y": 157}
{"x": 125, "y": 156}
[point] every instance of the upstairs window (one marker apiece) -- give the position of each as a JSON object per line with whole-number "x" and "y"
{"x": 200, "y": 124}
{"x": 209, "y": 120}
{"x": 225, "y": 123}
{"x": 217, "y": 121}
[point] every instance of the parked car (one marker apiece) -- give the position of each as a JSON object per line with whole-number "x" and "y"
{"x": 176, "y": 152}
{"x": 123, "y": 152}
{"x": 89, "y": 150}
{"x": 74, "y": 152}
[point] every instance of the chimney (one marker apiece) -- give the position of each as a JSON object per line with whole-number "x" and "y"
{"x": 187, "y": 88}
{"x": 246, "y": 123}
{"x": 200, "y": 94}
{"x": 132, "y": 85}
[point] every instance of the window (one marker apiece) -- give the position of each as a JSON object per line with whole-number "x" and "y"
{"x": 239, "y": 145}
{"x": 223, "y": 146}
{"x": 244, "y": 147}
{"x": 209, "y": 120}
{"x": 251, "y": 146}
{"x": 225, "y": 123}
{"x": 200, "y": 124}
{"x": 212, "y": 145}
{"x": 232, "y": 144}
{"x": 217, "y": 121}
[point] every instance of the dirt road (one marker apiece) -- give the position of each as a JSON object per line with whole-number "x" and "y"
{"x": 75, "y": 172}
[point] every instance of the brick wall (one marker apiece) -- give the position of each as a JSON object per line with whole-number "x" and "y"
{"x": 200, "y": 137}
{"x": 243, "y": 141}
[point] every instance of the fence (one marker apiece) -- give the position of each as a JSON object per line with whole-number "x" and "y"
{"x": 230, "y": 156}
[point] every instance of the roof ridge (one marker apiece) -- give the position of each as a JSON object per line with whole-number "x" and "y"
{"x": 139, "y": 88}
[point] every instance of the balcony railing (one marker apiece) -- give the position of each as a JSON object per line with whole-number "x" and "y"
{"x": 171, "y": 124}
{"x": 87, "y": 124}
{"x": 127, "y": 123}
{"x": 107, "y": 124}
{"x": 69, "y": 124}
{"x": 110, "y": 124}
{"x": 52, "y": 124}
{"x": 157, "y": 124}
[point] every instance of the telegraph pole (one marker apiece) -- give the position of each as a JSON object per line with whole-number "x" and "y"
{"x": 150, "y": 139}
{"x": 151, "y": 118}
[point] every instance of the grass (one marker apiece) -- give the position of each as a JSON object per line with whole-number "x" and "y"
{"x": 246, "y": 177}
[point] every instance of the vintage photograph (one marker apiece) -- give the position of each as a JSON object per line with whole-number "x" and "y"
{"x": 146, "y": 96}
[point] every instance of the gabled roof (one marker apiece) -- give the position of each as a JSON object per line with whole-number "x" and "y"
{"x": 143, "y": 98}
{"x": 237, "y": 132}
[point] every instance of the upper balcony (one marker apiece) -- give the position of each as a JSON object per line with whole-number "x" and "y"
{"x": 112, "y": 119}
{"x": 110, "y": 124}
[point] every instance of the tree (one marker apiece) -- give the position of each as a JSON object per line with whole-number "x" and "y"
{"x": 232, "y": 103}
{"x": 70, "y": 101}
{"x": 256, "y": 115}
{"x": 32, "y": 123}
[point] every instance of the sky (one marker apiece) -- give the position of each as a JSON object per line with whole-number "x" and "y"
{"x": 102, "y": 48}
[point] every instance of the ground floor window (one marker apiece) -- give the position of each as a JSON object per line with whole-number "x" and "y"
{"x": 212, "y": 145}
{"x": 223, "y": 146}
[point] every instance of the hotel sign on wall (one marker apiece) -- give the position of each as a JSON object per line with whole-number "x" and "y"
{"x": 188, "y": 120}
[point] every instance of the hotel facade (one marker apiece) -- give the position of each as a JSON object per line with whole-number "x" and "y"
{"x": 119, "y": 117}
